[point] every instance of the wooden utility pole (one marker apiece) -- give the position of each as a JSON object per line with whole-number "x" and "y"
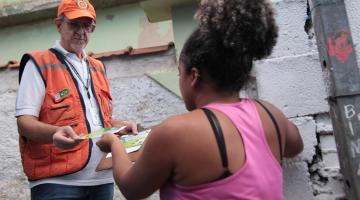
{"x": 338, "y": 60}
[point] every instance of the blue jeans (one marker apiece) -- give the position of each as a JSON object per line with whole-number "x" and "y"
{"x": 64, "y": 192}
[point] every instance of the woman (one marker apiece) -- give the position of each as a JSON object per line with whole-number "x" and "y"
{"x": 225, "y": 147}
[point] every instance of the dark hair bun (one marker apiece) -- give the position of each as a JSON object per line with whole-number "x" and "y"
{"x": 247, "y": 27}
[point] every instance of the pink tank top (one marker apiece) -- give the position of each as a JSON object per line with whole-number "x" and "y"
{"x": 259, "y": 178}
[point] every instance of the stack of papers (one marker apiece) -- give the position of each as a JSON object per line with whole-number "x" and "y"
{"x": 134, "y": 142}
{"x": 131, "y": 143}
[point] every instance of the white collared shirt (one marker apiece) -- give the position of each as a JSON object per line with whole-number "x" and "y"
{"x": 92, "y": 109}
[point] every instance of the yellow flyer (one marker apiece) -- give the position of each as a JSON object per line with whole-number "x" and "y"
{"x": 101, "y": 132}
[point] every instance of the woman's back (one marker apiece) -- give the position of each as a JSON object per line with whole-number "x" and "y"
{"x": 256, "y": 173}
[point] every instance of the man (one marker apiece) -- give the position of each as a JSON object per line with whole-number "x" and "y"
{"x": 64, "y": 89}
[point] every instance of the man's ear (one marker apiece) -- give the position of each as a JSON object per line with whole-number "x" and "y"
{"x": 57, "y": 23}
{"x": 195, "y": 76}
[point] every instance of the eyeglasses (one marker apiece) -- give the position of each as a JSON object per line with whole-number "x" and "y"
{"x": 89, "y": 27}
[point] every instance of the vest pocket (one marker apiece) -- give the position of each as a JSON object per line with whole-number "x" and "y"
{"x": 37, "y": 151}
{"x": 58, "y": 111}
{"x": 59, "y": 151}
{"x": 105, "y": 102}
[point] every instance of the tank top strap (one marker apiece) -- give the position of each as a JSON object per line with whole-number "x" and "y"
{"x": 276, "y": 126}
{"x": 214, "y": 122}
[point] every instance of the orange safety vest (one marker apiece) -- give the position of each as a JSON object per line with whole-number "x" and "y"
{"x": 63, "y": 106}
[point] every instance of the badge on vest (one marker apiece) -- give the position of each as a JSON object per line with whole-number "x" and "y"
{"x": 61, "y": 94}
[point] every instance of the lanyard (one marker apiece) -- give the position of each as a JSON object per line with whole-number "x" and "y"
{"x": 86, "y": 86}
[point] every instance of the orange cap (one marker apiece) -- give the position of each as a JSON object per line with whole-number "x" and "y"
{"x": 73, "y": 9}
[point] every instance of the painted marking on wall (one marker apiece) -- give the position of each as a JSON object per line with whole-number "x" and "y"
{"x": 340, "y": 46}
{"x": 351, "y": 128}
{"x": 350, "y": 113}
{"x": 355, "y": 148}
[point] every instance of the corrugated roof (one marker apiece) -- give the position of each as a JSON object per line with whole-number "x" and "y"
{"x": 129, "y": 51}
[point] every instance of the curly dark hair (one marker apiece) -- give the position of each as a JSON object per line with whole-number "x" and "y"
{"x": 230, "y": 36}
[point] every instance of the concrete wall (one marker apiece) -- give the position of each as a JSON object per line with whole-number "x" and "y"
{"x": 299, "y": 90}
{"x": 183, "y": 24}
{"x": 292, "y": 79}
{"x": 6, "y": 2}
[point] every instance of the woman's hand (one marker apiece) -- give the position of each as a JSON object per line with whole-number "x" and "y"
{"x": 106, "y": 141}
{"x": 65, "y": 138}
{"x": 131, "y": 127}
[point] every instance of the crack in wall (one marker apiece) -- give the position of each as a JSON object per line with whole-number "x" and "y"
{"x": 308, "y": 26}
{"x": 326, "y": 180}
{"x": 317, "y": 179}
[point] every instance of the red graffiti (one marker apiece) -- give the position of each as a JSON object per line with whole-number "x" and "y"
{"x": 339, "y": 46}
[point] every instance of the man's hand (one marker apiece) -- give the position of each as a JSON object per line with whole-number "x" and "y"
{"x": 131, "y": 127}
{"x": 65, "y": 138}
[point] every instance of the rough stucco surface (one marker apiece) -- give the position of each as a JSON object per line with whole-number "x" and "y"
{"x": 137, "y": 97}
{"x": 282, "y": 82}
{"x": 12, "y": 182}
{"x": 296, "y": 175}
{"x": 292, "y": 40}
{"x": 353, "y": 10}
{"x": 292, "y": 80}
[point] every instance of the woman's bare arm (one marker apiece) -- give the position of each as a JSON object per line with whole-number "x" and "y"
{"x": 152, "y": 168}
{"x": 293, "y": 142}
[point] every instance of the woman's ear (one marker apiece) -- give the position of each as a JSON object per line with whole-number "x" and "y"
{"x": 195, "y": 76}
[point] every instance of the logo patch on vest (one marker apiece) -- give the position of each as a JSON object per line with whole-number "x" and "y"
{"x": 61, "y": 94}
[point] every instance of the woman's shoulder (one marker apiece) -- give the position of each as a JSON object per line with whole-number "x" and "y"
{"x": 178, "y": 124}
{"x": 271, "y": 108}
{"x": 170, "y": 134}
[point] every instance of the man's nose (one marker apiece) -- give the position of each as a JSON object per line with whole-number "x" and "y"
{"x": 81, "y": 29}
